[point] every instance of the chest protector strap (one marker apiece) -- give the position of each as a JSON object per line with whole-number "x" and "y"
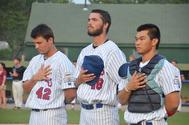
{"x": 149, "y": 98}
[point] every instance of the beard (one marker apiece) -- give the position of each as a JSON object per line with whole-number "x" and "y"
{"x": 97, "y": 32}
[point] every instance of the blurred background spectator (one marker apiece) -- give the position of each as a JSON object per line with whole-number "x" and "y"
{"x": 3, "y": 77}
{"x": 17, "y": 89}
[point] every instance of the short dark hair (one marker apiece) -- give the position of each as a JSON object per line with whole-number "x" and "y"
{"x": 174, "y": 60}
{"x": 3, "y": 64}
{"x": 42, "y": 30}
{"x": 17, "y": 58}
{"x": 153, "y": 31}
{"x": 105, "y": 16}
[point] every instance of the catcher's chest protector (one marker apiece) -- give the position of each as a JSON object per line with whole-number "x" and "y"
{"x": 149, "y": 98}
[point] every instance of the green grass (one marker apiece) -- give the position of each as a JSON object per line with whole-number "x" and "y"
{"x": 185, "y": 90}
{"x": 22, "y": 116}
{"x": 14, "y": 116}
{"x": 180, "y": 118}
{"x": 185, "y": 93}
{"x": 73, "y": 116}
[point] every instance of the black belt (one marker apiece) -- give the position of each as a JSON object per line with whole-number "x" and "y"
{"x": 140, "y": 123}
{"x": 91, "y": 106}
{"x": 39, "y": 110}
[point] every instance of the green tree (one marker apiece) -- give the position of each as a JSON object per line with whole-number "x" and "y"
{"x": 139, "y": 1}
{"x": 14, "y": 15}
{"x": 13, "y": 22}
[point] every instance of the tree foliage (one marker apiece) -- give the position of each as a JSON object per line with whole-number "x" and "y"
{"x": 139, "y": 1}
{"x": 14, "y": 16}
{"x": 13, "y": 22}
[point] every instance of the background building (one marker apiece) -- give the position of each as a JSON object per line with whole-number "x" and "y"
{"x": 69, "y": 23}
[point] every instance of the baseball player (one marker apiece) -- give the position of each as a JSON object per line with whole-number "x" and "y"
{"x": 49, "y": 80}
{"x": 153, "y": 84}
{"x": 99, "y": 100}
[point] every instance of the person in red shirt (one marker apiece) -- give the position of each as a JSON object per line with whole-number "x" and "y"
{"x": 3, "y": 77}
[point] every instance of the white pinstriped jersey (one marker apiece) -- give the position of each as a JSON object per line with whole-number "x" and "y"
{"x": 169, "y": 80}
{"x": 104, "y": 90}
{"x": 49, "y": 94}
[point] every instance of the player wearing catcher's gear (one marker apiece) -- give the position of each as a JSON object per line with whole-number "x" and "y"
{"x": 152, "y": 90}
{"x": 98, "y": 101}
{"x": 48, "y": 79}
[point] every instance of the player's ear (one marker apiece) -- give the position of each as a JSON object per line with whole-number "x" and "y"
{"x": 154, "y": 42}
{"x": 106, "y": 25}
{"x": 51, "y": 40}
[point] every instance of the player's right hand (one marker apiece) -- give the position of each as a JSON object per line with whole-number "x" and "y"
{"x": 84, "y": 77}
{"x": 42, "y": 73}
{"x": 137, "y": 81}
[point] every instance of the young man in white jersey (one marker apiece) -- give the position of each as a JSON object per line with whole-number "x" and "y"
{"x": 152, "y": 89}
{"x": 49, "y": 80}
{"x": 99, "y": 101}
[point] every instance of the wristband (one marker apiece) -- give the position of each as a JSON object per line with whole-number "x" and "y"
{"x": 76, "y": 83}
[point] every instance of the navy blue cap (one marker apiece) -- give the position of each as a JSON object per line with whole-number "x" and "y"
{"x": 123, "y": 70}
{"x": 94, "y": 64}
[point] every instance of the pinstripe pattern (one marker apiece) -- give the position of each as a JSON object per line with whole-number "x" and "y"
{"x": 49, "y": 117}
{"x": 113, "y": 58}
{"x": 107, "y": 115}
{"x": 169, "y": 80}
{"x": 156, "y": 122}
{"x": 61, "y": 66}
{"x": 61, "y": 69}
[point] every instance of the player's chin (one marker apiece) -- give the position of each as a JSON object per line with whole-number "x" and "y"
{"x": 90, "y": 31}
{"x": 138, "y": 50}
{"x": 41, "y": 52}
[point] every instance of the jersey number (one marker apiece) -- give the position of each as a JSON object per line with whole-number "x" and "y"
{"x": 43, "y": 93}
{"x": 98, "y": 85}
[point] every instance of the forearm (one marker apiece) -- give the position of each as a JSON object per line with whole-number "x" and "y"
{"x": 123, "y": 96}
{"x": 172, "y": 102}
{"x": 4, "y": 80}
{"x": 70, "y": 94}
{"x": 28, "y": 85}
{"x": 69, "y": 100}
